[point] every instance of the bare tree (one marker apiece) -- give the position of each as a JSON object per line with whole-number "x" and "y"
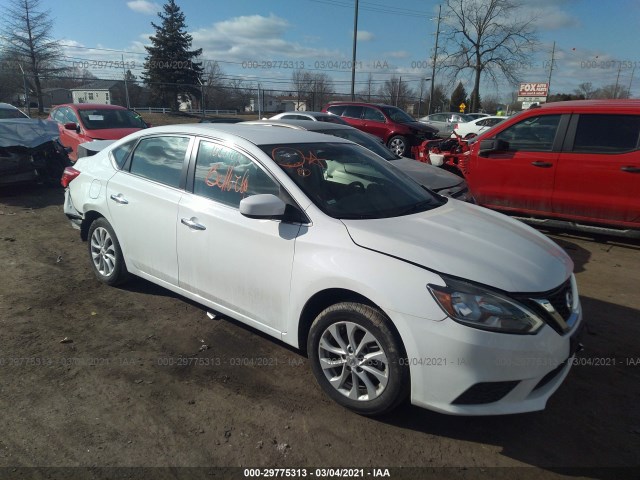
{"x": 27, "y": 32}
{"x": 302, "y": 82}
{"x": 213, "y": 84}
{"x": 487, "y": 36}
{"x": 611, "y": 91}
{"x": 585, "y": 90}
{"x": 396, "y": 92}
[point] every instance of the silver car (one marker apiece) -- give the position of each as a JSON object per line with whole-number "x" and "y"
{"x": 445, "y": 121}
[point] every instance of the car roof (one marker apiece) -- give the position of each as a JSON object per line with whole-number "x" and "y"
{"x": 256, "y": 134}
{"x": 626, "y": 104}
{"x": 366, "y": 104}
{"x": 91, "y": 106}
{"x": 8, "y": 106}
{"x": 301, "y": 124}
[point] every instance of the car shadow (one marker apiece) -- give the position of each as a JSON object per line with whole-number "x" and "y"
{"x": 582, "y": 427}
{"x": 31, "y": 196}
{"x": 578, "y": 254}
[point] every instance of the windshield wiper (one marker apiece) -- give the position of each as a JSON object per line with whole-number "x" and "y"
{"x": 416, "y": 208}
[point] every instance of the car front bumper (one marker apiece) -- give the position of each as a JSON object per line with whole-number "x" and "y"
{"x": 461, "y": 370}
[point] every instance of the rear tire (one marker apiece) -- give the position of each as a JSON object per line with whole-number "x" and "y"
{"x": 357, "y": 359}
{"x": 105, "y": 255}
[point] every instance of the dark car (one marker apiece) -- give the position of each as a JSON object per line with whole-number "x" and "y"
{"x": 30, "y": 151}
{"x": 221, "y": 120}
{"x": 394, "y": 126}
{"x": 84, "y": 122}
{"x": 433, "y": 178}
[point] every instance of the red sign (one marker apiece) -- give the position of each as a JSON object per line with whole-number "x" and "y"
{"x": 533, "y": 90}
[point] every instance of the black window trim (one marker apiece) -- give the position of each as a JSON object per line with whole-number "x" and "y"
{"x": 126, "y": 168}
{"x": 190, "y": 173}
{"x": 572, "y": 130}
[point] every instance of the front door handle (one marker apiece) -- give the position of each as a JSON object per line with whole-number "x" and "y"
{"x": 119, "y": 198}
{"x": 542, "y": 164}
{"x": 192, "y": 224}
{"x": 630, "y": 169}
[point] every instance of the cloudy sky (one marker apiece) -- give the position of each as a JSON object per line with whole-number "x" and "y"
{"x": 264, "y": 40}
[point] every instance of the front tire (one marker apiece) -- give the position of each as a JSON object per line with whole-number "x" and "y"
{"x": 105, "y": 255}
{"x": 398, "y": 145}
{"x": 357, "y": 359}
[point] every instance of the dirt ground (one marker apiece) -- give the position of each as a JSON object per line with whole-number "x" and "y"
{"x": 93, "y": 376}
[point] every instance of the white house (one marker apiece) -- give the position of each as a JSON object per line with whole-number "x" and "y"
{"x": 98, "y": 91}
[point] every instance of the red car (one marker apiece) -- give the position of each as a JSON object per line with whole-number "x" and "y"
{"x": 394, "y": 126}
{"x": 85, "y": 122}
{"x": 577, "y": 161}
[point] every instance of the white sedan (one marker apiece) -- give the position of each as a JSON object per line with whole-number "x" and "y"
{"x": 393, "y": 291}
{"x": 477, "y": 126}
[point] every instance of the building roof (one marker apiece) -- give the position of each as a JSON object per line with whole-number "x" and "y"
{"x": 99, "y": 85}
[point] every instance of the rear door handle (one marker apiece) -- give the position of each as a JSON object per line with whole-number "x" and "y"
{"x": 192, "y": 224}
{"x": 119, "y": 198}
{"x": 630, "y": 169}
{"x": 542, "y": 164}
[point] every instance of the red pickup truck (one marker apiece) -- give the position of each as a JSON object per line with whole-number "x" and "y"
{"x": 576, "y": 161}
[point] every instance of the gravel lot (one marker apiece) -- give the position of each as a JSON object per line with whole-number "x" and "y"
{"x": 93, "y": 376}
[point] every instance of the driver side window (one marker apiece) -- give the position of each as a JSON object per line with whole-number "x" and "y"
{"x": 533, "y": 134}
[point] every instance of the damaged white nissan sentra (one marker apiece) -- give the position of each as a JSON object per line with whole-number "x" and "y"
{"x": 392, "y": 290}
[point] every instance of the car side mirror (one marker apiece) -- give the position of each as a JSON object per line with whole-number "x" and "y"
{"x": 263, "y": 206}
{"x": 72, "y": 126}
{"x": 493, "y": 145}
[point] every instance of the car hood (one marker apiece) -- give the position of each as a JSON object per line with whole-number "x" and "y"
{"x": 27, "y": 132}
{"x": 434, "y": 178}
{"x": 110, "y": 133}
{"x": 421, "y": 127}
{"x": 469, "y": 242}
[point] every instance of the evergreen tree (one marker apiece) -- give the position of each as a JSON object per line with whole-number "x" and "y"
{"x": 458, "y": 96}
{"x": 170, "y": 68}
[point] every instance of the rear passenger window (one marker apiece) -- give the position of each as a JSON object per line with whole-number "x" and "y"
{"x": 352, "y": 111}
{"x": 373, "y": 114}
{"x": 336, "y": 109}
{"x": 121, "y": 153}
{"x": 607, "y": 133}
{"x": 227, "y": 176}
{"x": 533, "y": 134}
{"x": 160, "y": 159}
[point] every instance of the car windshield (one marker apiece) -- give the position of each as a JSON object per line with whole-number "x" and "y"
{"x": 6, "y": 113}
{"x": 100, "y": 119}
{"x": 361, "y": 138}
{"x": 347, "y": 181}
{"x": 397, "y": 115}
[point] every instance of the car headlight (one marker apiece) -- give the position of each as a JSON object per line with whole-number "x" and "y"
{"x": 484, "y": 309}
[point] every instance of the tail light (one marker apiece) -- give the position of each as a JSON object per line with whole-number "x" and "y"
{"x": 68, "y": 176}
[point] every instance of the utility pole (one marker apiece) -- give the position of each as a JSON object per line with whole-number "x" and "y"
{"x": 353, "y": 57}
{"x": 553, "y": 53}
{"x": 435, "y": 55}
{"x": 126, "y": 89}
{"x": 398, "y": 90}
{"x": 26, "y": 91}
{"x": 615, "y": 90}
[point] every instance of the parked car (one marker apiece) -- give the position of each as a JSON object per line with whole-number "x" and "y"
{"x": 84, "y": 122}
{"x": 475, "y": 127}
{"x": 476, "y": 115}
{"x": 8, "y": 111}
{"x": 314, "y": 116}
{"x": 445, "y": 121}
{"x": 30, "y": 151}
{"x": 391, "y": 290}
{"x": 433, "y": 178}
{"x": 577, "y": 161}
{"x": 395, "y": 127}
{"x": 221, "y": 120}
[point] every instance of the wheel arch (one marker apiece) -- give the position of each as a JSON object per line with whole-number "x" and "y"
{"x": 89, "y": 218}
{"x": 325, "y": 298}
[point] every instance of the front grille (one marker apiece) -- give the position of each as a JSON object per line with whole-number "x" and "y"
{"x": 486, "y": 392}
{"x": 556, "y": 298}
